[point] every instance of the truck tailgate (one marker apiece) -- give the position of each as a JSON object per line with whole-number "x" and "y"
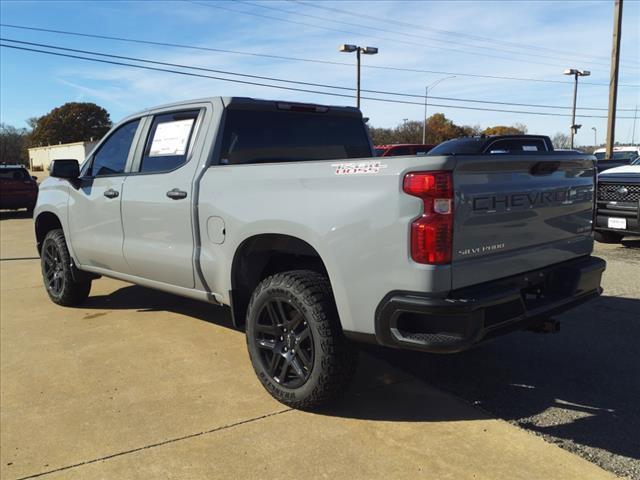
{"x": 519, "y": 213}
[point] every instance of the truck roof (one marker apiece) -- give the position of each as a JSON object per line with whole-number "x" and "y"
{"x": 256, "y": 103}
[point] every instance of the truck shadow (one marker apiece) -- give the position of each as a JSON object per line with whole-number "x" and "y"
{"x": 15, "y": 214}
{"x": 379, "y": 392}
{"x": 582, "y": 384}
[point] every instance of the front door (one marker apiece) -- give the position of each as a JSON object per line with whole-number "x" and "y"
{"x": 94, "y": 220}
{"x": 157, "y": 202}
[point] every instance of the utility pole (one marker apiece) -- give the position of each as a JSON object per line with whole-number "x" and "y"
{"x": 613, "y": 77}
{"x": 358, "y": 79}
{"x": 595, "y": 136}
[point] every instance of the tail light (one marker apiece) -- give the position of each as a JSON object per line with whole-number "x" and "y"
{"x": 432, "y": 232}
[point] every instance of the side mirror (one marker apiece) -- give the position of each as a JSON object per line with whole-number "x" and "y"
{"x": 34, "y": 178}
{"x": 64, "y": 169}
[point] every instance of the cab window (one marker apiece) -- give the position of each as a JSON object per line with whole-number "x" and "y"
{"x": 514, "y": 145}
{"x": 168, "y": 141}
{"x": 111, "y": 158}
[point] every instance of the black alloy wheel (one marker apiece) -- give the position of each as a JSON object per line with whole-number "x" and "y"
{"x": 53, "y": 269}
{"x": 57, "y": 272}
{"x": 295, "y": 340}
{"x": 285, "y": 341}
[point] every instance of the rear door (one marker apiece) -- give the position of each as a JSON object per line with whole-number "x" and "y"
{"x": 516, "y": 213}
{"x": 158, "y": 199}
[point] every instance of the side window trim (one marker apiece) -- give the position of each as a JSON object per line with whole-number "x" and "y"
{"x": 144, "y": 138}
{"x": 140, "y": 141}
{"x": 88, "y": 164}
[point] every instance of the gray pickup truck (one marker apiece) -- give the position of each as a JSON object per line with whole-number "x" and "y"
{"x": 281, "y": 211}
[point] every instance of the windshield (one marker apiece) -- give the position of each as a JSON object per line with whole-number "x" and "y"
{"x": 254, "y": 136}
{"x": 636, "y": 161}
{"x": 14, "y": 174}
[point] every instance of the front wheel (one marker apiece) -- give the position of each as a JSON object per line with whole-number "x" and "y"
{"x": 295, "y": 341}
{"x": 56, "y": 272}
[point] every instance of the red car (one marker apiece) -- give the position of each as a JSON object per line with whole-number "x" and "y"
{"x": 18, "y": 189}
{"x": 402, "y": 149}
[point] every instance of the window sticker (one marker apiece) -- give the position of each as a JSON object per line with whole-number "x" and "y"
{"x": 171, "y": 138}
{"x": 529, "y": 148}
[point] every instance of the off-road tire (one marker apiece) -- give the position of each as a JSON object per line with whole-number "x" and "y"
{"x": 55, "y": 260}
{"x": 608, "y": 237}
{"x": 306, "y": 293}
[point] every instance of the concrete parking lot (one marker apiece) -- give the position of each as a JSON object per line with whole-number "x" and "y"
{"x": 141, "y": 384}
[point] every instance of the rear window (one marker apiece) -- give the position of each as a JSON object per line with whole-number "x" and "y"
{"x": 380, "y": 151}
{"x": 285, "y": 136}
{"x": 517, "y": 145}
{"x": 14, "y": 174}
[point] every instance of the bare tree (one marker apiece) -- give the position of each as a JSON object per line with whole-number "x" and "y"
{"x": 561, "y": 140}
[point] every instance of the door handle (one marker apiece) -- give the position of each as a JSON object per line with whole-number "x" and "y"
{"x": 111, "y": 193}
{"x": 176, "y": 194}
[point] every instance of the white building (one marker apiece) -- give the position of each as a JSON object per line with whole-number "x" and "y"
{"x": 40, "y": 157}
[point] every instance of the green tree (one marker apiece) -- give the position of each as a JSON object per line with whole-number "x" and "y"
{"x": 13, "y": 143}
{"x": 71, "y": 122}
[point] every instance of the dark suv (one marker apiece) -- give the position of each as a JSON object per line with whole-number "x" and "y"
{"x": 18, "y": 189}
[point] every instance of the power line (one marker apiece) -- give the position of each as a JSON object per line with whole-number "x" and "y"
{"x": 282, "y": 87}
{"x": 297, "y": 59}
{"x": 387, "y": 21}
{"x": 414, "y": 35}
{"x": 349, "y": 32}
{"x": 297, "y": 82}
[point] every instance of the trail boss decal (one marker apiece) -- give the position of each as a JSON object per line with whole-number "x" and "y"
{"x": 358, "y": 168}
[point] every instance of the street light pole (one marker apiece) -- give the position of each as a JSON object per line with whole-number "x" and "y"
{"x": 576, "y": 73}
{"x": 347, "y": 48}
{"x": 595, "y": 136}
{"x": 426, "y": 96}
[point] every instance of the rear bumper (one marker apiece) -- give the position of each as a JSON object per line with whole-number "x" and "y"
{"x": 467, "y": 316}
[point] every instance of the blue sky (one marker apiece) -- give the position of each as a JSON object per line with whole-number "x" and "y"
{"x": 536, "y": 39}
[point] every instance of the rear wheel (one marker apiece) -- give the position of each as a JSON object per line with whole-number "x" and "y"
{"x": 56, "y": 272}
{"x": 608, "y": 237}
{"x": 295, "y": 341}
